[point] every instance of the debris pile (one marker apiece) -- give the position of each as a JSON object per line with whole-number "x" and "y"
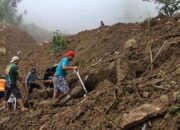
{"x": 131, "y": 71}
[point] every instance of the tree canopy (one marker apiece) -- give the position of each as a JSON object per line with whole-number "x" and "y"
{"x": 8, "y": 11}
{"x": 169, "y": 7}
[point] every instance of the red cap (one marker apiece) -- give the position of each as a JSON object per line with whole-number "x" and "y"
{"x": 70, "y": 53}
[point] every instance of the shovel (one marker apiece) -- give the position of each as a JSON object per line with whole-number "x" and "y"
{"x": 78, "y": 75}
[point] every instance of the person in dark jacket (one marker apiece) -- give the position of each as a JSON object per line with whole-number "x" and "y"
{"x": 31, "y": 81}
{"x": 47, "y": 77}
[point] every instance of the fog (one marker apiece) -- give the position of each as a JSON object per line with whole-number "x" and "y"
{"x": 73, "y": 16}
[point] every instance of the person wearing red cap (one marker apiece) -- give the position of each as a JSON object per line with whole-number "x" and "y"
{"x": 59, "y": 80}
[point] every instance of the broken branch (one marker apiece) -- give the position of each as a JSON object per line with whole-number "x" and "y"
{"x": 155, "y": 57}
{"x": 114, "y": 101}
{"x": 150, "y": 52}
{"x": 109, "y": 118}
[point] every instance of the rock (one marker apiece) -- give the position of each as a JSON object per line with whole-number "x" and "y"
{"x": 145, "y": 112}
{"x": 146, "y": 94}
{"x": 3, "y": 51}
{"x": 173, "y": 83}
{"x": 123, "y": 70}
{"x": 159, "y": 19}
{"x": 131, "y": 43}
{"x": 116, "y": 53}
{"x": 77, "y": 92}
{"x": 19, "y": 52}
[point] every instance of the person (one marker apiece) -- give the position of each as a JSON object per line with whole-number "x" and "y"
{"x": 11, "y": 78}
{"x": 59, "y": 79}
{"x": 30, "y": 81}
{"x": 2, "y": 87}
{"x": 102, "y": 23}
{"x": 47, "y": 77}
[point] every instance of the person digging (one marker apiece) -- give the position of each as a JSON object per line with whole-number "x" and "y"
{"x": 59, "y": 80}
{"x": 11, "y": 83}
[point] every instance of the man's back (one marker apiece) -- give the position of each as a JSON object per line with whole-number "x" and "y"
{"x": 12, "y": 73}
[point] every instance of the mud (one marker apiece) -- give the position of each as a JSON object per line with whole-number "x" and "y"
{"x": 112, "y": 59}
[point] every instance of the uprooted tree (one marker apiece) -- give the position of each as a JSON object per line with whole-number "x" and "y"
{"x": 169, "y": 7}
{"x": 8, "y": 12}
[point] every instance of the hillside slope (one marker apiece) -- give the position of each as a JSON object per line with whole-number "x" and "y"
{"x": 132, "y": 72}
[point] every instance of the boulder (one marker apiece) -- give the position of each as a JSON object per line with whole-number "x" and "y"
{"x": 145, "y": 112}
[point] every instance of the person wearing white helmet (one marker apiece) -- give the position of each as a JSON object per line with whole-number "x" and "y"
{"x": 11, "y": 83}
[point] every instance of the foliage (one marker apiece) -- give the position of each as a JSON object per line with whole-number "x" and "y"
{"x": 59, "y": 42}
{"x": 169, "y": 7}
{"x": 175, "y": 110}
{"x": 8, "y": 12}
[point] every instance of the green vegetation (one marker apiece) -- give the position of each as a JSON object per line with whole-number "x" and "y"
{"x": 59, "y": 42}
{"x": 169, "y": 7}
{"x": 175, "y": 110}
{"x": 8, "y": 12}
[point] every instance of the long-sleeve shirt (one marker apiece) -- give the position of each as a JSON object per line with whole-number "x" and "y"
{"x": 30, "y": 78}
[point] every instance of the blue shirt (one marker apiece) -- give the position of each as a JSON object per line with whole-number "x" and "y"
{"x": 31, "y": 77}
{"x": 59, "y": 70}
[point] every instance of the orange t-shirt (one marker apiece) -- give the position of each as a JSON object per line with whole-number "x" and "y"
{"x": 2, "y": 85}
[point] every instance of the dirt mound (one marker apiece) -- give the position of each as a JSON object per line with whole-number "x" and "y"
{"x": 15, "y": 42}
{"x": 132, "y": 74}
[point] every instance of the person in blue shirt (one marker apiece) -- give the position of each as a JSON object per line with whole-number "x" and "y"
{"x": 59, "y": 79}
{"x": 31, "y": 81}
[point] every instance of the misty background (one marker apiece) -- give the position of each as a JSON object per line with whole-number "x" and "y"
{"x": 73, "y": 16}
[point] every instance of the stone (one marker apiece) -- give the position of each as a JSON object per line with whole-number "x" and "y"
{"x": 3, "y": 51}
{"x": 146, "y": 94}
{"x": 19, "y": 52}
{"x": 159, "y": 19}
{"x": 131, "y": 43}
{"x": 116, "y": 53}
{"x": 145, "y": 112}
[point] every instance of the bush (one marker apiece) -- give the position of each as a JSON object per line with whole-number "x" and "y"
{"x": 175, "y": 110}
{"x": 59, "y": 42}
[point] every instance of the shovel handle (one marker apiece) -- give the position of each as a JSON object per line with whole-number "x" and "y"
{"x": 77, "y": 73}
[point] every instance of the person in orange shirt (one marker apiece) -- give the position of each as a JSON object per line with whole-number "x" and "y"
{"x": 2, "y": 87}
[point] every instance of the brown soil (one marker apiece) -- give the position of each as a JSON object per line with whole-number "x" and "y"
{"x": 114, "y": 60}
